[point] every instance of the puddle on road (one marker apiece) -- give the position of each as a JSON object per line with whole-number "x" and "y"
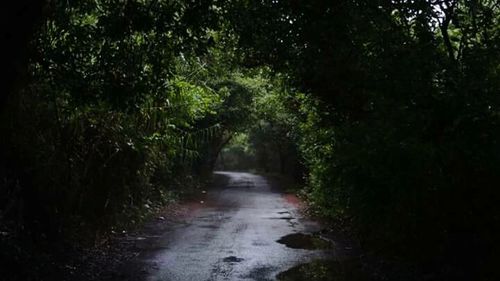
{"x": 282, "y": 218}
{"x": 232, "y": 259}
{"x": 325, "y": 270}
{"x": 305, "y": 241}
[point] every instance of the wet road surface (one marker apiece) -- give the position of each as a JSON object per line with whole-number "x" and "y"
{"x": 236, "y": 235}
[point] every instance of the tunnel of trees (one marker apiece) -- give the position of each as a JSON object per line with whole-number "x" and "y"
{"x": 387, "y": 112}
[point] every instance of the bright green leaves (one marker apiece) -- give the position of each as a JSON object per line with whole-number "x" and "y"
{"x": 194, "y": 101}
{"x": 120, "y": 51}
{"x": 90, "y": 19}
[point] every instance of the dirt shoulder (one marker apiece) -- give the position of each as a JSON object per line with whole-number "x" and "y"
{"x": 109, "y": 261}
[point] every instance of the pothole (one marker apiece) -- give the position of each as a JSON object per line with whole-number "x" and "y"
{"x": 282, "y": 218}
{"x": 325, "y": 270}
{"x": 305, "y": 241}
{"x": 232, "y": 259}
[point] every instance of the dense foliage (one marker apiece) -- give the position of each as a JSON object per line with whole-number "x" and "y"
{"x": 401, "y": 134}
{"x": 122, "y": 108}
{"x": 387, "y": 108}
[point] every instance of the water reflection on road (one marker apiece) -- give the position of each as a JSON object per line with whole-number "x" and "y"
{"x": 246, "y": 231}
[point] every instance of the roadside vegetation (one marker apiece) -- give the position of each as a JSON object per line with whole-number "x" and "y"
{"x": 387, "y": 113}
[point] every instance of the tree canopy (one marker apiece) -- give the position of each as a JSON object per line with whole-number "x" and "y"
{"x": 386, "y": 111}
